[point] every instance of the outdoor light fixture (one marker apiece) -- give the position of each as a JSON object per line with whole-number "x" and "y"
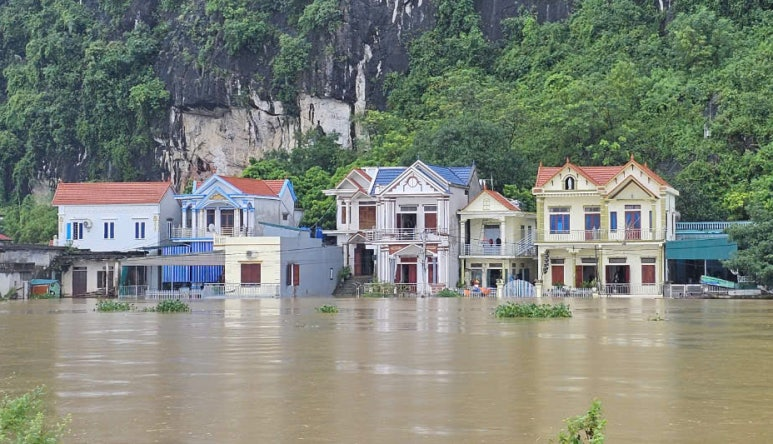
{"x": 331, "y": 274}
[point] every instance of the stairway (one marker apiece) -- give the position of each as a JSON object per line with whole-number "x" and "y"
{"x": 349, "y": 287}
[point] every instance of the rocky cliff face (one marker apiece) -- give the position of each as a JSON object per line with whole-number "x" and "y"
{"x": 222, "y": 115}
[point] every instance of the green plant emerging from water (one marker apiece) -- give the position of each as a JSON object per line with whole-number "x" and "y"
{"x": 532, "y": 310}
{"x": 23, "y": 420}
{"x": 170, "y": 306}
{"x": 587, "y": 428}
{"x": 446, "y": 293}
{"x": 327, "y": 309}
{"x": 107, "y": 305}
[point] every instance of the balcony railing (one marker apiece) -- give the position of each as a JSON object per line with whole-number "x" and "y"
{"x": 518, "y": 249}
{"x": 403, "y": 234}
{"x": 595, "y": 235}
{"x": 206, "y": 291}
{"x": 190, "y": 233}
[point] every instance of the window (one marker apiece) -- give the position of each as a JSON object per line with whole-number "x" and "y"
{"x": 367, "y": 217}
{"x": 559, "y": 220}
{"x": 139, "y": 230}
{"x": 293, "y": 276}
{"x": 430, "y": 217}
{"x": 105, "y": 278}
{"x": 592, "y": 222}
{"x": 569, "y": 183}
{"x": 250, "y": 274}
{"x": 613, "y": 220}
{"x": 109, "y": 230}
{"x": 74, "y": 231}
{"x": 343, "y": 213}
{"x": 632, "y": 224}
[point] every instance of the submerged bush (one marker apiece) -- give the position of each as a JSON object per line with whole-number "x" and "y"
{"x": 107, "y": 305}
{"x": 327, "y": 309}
{"x": 532, "y": 310}
{"x": 170, "y": 306}
{"x": 587, "y": 428}
{"x": 446, "y": 293}
{"x": 23, "y": 420}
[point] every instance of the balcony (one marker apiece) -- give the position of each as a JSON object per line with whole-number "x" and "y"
{"x": 704, "y": 230}
{"x": 523, "y": 248}
{"x": 579, "y": 236}
{"x": 204, "y": 233}
{"x": 404, "y": 234}
{"x": 206, "y": 291}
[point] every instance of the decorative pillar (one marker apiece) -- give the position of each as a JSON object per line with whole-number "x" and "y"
{"x": 185, "y": 217}
{"x": 195, "y": 223}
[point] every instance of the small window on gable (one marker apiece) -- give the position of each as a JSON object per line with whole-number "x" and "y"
{"x": 569, "y": 183}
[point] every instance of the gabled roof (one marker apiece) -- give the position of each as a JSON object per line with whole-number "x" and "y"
{"x": 459, "y": 176}
{"x": 110, "y": 193}
{"x": 507, "y": 203}
{"x": 598, "y": 175}
{"x": 255, "y": 187}
{"x": 4, "y": 238}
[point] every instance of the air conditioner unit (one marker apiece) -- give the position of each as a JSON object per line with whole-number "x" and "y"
{"x": 87, "y": 224}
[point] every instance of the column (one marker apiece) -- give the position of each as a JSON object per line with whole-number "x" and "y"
{"x": 195, "y": 223}
{"x": 185, "y": 217}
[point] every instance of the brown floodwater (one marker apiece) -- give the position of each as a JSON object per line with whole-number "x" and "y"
{"x": 395, "y": 371}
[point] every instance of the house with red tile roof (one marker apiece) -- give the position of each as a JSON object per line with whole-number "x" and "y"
{"x": 497, "y": 241}
{"x": 398, "y": 224}
{"x": 603, "y": 227}
{"x": 115, "y": 216}
{"x": 224, "y": 207}
{"x": 110, "y": 219}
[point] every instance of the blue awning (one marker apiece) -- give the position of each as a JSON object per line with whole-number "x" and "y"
{"x": 714, "y": 248}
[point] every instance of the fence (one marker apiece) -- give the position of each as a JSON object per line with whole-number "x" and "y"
{"x": 206, "y": 291}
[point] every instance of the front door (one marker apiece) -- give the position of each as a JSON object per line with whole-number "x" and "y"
{"x": 79, "y": 284}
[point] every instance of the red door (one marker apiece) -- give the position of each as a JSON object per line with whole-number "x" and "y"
{"x": 557, "y": 275}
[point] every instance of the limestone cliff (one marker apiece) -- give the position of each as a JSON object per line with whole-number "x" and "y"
{"x": 222, "y": 114}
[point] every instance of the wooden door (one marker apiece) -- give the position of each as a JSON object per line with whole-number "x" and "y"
{"x": 79, "y": 281}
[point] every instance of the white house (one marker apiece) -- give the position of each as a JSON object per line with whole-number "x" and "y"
{"x": 115, "y": 216}
{"x": 498, "y": 240}
{"x": 399, "y": 224}
{"x": 603, "y": 227}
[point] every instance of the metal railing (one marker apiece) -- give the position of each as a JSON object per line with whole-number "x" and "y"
{"x": 206, "y": 291}
{"x": 507, "y": 249}
{"x": 629, "y": 235}
{"x": 606, "y": 290}
{"x": 190, "y": 233}
{"x": 388, "y": 289}
{"x": 403, "y": 234}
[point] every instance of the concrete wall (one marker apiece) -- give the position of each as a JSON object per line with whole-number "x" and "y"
{"x": 275, "y": 253}
{"x": 92, "y": 268}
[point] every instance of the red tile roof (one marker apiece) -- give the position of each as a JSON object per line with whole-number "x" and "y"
{"x": 599, "y": 175}
{"x": 502, "y": 199}
{"x": 101, "y": 193}
{"x": 256, "y": 187}
{"x": 3, "y": 238}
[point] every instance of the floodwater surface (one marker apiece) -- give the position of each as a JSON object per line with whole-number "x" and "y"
{"x": 395, "y": 371}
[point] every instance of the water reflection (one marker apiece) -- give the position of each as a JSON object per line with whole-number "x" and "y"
{"x": 387, "y": 370}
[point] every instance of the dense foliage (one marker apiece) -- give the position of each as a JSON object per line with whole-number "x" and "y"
{"x": 687, "y": 87}
{"x": 170, "y": 306}
{"x": 109, "y": 305}
{"x": 532, "y": 310}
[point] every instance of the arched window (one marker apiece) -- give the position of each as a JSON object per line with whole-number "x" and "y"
{"x": 569, "y": 183}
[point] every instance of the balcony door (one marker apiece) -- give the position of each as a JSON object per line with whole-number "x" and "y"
{"x": 227, "y": 221}
{"x": 633, "y": 224}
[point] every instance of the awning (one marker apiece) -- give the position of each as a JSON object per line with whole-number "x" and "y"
{"x": 213, "y": 258}
{"x": 716, "y": 248}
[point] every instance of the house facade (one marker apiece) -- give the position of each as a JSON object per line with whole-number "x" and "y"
{"x": 115, "y": 216}
{"x": 399, "y": 224}
{"x": 603, "y": 227}
{"x": 224, "y": 206}
{"x": 498, "y": 241}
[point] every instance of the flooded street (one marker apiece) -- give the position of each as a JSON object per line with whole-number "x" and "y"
{"x": 387, "y": 370}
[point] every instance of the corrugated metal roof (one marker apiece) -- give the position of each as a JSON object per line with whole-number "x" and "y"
{"x": 100, "y": 193}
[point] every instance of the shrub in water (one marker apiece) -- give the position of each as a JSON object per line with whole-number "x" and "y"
{"x": 170, "y": 306}
{"x": 327, "y": 309}
{"x": 109, "y": 305}
{"x": 587, "y": 428}
{"x": 446, "y": 293}
{"x": 532, "y": 310}
{"x": 23, "y": 420}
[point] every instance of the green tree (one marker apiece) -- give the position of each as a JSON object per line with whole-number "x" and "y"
{"x": 30, "y": 222}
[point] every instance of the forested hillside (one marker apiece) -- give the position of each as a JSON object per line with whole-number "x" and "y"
{"x": 89, "y": 91}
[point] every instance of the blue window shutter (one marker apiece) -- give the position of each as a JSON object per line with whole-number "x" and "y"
{"x": 105, "y": 233}
{"x": 613, "y": 220}
{"x": 112, "y": 230}
{"x": 68, "y": 236}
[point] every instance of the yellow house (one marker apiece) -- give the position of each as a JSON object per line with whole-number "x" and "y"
{"x": 603, "y": 228}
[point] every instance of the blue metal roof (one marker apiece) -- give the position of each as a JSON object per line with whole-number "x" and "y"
{"x": 386, "y": 175}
